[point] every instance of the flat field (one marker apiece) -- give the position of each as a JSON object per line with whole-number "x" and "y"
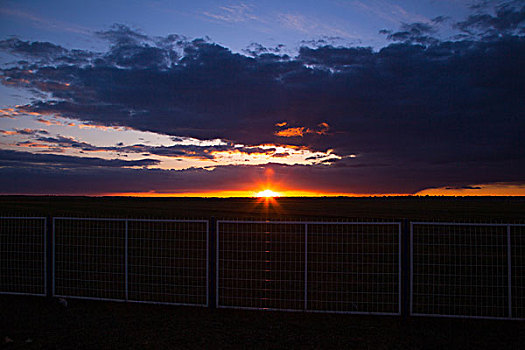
{"x": 476, "y": 209}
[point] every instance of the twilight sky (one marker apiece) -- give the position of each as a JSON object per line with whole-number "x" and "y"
{"x": 233, "y": 97}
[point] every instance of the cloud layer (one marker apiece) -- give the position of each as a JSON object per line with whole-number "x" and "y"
{"x": 421, "y": 112}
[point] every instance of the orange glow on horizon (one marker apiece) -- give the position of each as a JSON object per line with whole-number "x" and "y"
{"x": 284, "y": 194}
{"x": 270, "y": 189}
{"x": 496, "y": 189}
{"x": 247, "y": 194}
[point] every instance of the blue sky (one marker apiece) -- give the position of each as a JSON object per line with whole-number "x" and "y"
{"x": 234, "y": 24}
{"x": 313, "y": 97}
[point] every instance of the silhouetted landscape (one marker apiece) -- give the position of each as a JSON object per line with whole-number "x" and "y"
{"x": 480, "y": 209}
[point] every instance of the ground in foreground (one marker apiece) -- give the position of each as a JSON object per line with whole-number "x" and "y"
{"x": 40, "y": 323}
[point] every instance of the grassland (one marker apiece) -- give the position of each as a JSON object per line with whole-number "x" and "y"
{"x": 478, "y": 209}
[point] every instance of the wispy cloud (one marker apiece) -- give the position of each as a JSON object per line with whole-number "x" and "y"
{"x": 237, "y": 13}
{"x": 45, "y": 23}
{"x": 245, "y": 12}
{"x": 391, "y": 12}
{"x": 296, "y": 22}
{"x": 310, "y": 25}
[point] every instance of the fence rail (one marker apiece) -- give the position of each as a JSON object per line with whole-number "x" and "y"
{"x": 438, "y": 269}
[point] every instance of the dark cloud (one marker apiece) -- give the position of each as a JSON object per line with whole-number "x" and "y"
{"x": 508, "y": 18}
{"x": 25, "y": 131}
{"x": 315, "y": 157}
{"x": 256, "y": 49}
{"x": 69, "y": 142}
{"x": 16, "y": 159}
{"x": 44, "y": 53}
{"x": 440, "y": 19}
{"x": 449, "y": 111}
{"x": 420, "y": 33}
{"x": 281, "y": 155}
{"x": 121, "y": 35}
{"x": 37, "y": 49}
{"x": 131, "y": 49}
{"x": 318, "y": 178}
{"x": 464, "y": 188}
{"x": 186, "y": 151}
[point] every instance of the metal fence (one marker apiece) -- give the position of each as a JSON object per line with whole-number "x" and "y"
{"x": 467, "y": 270}
{"x": 23, "y": 255}
{"x": 346, "y": 267}
{"x": 157, "y": 261}
{"x": 418, "y": 268}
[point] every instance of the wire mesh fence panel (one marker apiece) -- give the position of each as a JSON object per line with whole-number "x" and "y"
{"x": 459, "y": 270}
{"x": 354, "y": 267}
{"x": 89, "y": 258}
{"x": 517, "y": 243}
{"x": 23, "y": 255}
{"x": 168, "y": 261}
{"x": 261, "y": 265}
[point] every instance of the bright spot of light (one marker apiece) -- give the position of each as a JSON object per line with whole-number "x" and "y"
{"x": 267, "y": 193}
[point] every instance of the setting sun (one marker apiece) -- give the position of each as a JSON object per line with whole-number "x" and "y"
{"x": 267, "y": 193}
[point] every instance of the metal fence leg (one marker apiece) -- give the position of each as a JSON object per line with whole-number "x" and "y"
{"x": 509, "y": 270}
{"x": 213, "y": 269}
{"x": 126, "y": 262}
{"x": 49, "y": 257}
{"x": 405, "y": 269}
{"x": 305, "y": 267}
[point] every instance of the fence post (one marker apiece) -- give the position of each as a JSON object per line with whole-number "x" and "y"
{"x": 126, "y": 260}
{"x": 405, "y": 269}
{"x": 305, "y": 267}
{"x": 212, "y": 260}
{"x": 509, "y": 271}
{"x": 49, "y": 251}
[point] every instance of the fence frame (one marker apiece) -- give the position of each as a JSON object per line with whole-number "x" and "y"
{"x": 126, "y": 261}
{"x": 45, "y": 256}
{"x": 509, "y": 268}
{"x": 306, "y": 223}
{"x": 405, "y": 246}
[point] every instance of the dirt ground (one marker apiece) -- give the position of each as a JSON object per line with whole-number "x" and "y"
{"x": 39, "y": 323}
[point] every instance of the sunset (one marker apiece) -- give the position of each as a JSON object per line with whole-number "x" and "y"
{"x": 360, "y": 163}
{"x": 344, "y": 98}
